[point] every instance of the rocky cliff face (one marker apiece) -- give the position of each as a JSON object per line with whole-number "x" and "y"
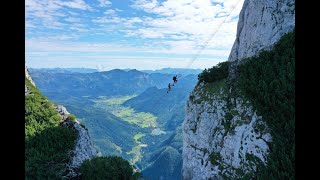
{"x": 223, "y": 136}
{"x": 261, "y": 24}
{"x": 26, "y": 72}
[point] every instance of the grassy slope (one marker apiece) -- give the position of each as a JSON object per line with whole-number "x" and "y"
{"x": 47, "y": 144}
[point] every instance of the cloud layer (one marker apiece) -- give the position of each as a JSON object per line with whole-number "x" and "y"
{"x": 140, "y": 28}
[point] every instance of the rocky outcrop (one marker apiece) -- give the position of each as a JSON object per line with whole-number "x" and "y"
{"x": 222, "y": 136}
{"x": 84, "y": 148}
{"x": 26, "y": 72}
{"x": 62, "y": 111}
{"x": 26, "y": 90}
{"x": 261, "y": 24}
{"x": 27, "y": 75}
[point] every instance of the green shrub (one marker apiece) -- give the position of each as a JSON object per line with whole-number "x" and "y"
{"x": 218, "y": 72}
{"x": 214, "y": 158}
{"x": 71, "y": 117}
{"x": 110, "y": 167}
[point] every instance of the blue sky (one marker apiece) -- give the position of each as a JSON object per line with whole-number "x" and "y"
{"x": 139, "y": 34}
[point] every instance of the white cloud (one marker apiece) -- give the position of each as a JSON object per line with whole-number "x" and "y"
{"x": 76, "y": 4}
{"x": 61, "y": 44}
{"x": 30, "y": 25}
{"x": 186, "y": 25}
{"x": 79, "y": 29}
{"x": 48, "y": 39}
{"x": 48, "y": 14}
{"x": 43, "y": 12}
{"x": 146, "y": 5}
{"x": 116, "y": 23}
{"x": 50, "y": 45}
{"x": 169, "y": 27}
{"x": 110, "y": 12}
{"x": 73, "y": 13}
{"x": 72, "y": 19}
{"x": 113, "y": 19}
{"x": 134, "y": 20}
{"x": 149, "y": 33}
{"x": 104, "y": 3}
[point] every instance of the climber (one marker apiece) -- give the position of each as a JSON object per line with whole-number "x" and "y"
{"x": 169, "y": 88}
{"x": 175, "y": 79}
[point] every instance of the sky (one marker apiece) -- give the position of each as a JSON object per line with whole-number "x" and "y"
{"x": 136, "y": 34}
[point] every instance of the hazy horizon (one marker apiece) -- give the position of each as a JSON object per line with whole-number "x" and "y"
{"x": 114, "y": 68}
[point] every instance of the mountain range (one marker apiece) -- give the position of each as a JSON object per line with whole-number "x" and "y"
{"x": 93, "y": 98}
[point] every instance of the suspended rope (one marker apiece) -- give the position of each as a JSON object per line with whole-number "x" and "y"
{"x": 210, "y": 37}
{"x": 204, "y": 45}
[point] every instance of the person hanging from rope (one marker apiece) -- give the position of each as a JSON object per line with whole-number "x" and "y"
{"x": 169, "y": 88}
{"x": 174, "y": 80}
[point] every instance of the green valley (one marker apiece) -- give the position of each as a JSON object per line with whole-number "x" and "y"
{"x": 134, "y": 118}
{"x": 115, "y": 107}
{"x": 136, "y": 150}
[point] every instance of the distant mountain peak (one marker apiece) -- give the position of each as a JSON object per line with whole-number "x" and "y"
{"x": 116, "y": 70}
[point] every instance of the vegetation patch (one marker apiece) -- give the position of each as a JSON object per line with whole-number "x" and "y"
{"x": 47, "y": 144}
{"x": 114, "y": 106}
{"x": 227, "y": 126}
{"x": 228, "y": 116}
{"x": 71, "y": 117}
{"x": 192, "y": 97}
{"x": 268, "y": 81}
{"x": 111, "y": 167}
{"x": 260, "y": 127}
{"x": 137, "y": 155}
{"x": 214, "y": 158}
{"x": 216, "y": 73}
{"x": 115, "y": 101}
{"x": 211, "y": 89}
{"x": 216, "y": 129}
{"x": 138, "y": 136}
